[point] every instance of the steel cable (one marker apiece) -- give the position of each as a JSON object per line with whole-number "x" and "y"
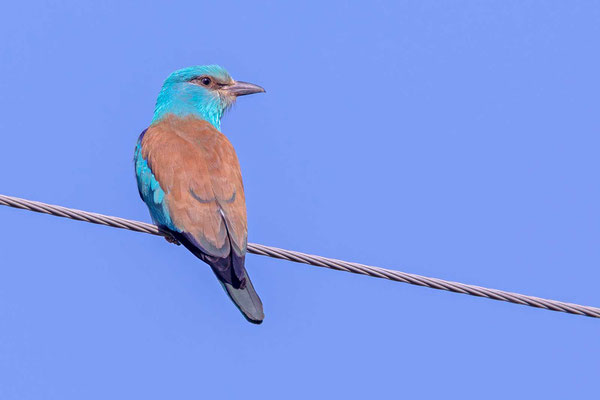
{"x": 314, "y": 260}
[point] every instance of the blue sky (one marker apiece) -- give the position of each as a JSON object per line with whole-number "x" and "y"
{"x": 455, "y": 139}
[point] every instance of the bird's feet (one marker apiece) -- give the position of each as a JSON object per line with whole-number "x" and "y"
{"x": 171, "y": 239}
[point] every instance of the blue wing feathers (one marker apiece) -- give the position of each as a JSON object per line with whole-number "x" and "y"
{"x": 150, "y": 190}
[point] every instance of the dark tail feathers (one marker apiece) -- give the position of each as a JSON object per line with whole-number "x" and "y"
{"x": 246, "y": 300}
{"x": 233, "y": 277}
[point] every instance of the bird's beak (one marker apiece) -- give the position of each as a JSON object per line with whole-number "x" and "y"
{"x": 243, "y": 88}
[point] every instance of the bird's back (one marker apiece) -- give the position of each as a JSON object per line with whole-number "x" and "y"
{"x": 198, "y": 170}
{"x": 189, "y": 176}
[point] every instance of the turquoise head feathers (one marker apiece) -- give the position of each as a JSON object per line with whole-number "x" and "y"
{"x": 203, "y": 91}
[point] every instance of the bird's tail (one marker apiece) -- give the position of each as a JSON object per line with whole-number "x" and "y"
{"x": 232, "y": 274}
{"x": 245, "y": 299}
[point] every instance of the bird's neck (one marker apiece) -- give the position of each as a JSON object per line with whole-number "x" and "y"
{"x": 188, "y": 104}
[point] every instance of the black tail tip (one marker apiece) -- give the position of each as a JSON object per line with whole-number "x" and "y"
{"x": 253, "y": 315}
{"x": 247, "y": 301}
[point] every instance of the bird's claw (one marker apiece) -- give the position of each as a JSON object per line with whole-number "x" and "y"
{"x": 171, "y": 239}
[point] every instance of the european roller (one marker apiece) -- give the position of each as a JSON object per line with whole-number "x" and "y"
{"x": 189, "y": 176}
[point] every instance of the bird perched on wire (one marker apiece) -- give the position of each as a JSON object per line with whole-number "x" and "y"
{"x": 189, "y": 176}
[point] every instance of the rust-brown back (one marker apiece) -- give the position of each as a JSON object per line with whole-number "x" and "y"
{"x": 197, "y": 168}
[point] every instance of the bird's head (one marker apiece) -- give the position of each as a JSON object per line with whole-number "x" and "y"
{"x": 204, "y": 91}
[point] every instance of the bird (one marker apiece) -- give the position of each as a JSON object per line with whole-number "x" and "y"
{"x": 189, "y": 176}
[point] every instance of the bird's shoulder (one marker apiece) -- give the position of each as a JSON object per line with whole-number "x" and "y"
{"x": 175, "y": 134}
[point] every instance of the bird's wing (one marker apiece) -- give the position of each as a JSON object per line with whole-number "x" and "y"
{"x": 198, "y": 170}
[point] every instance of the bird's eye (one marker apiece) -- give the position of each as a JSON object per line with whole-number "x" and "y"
{"x": 205, "y": 81}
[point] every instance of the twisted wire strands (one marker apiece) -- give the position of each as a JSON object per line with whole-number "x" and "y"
{"x": 314, "y": 260}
